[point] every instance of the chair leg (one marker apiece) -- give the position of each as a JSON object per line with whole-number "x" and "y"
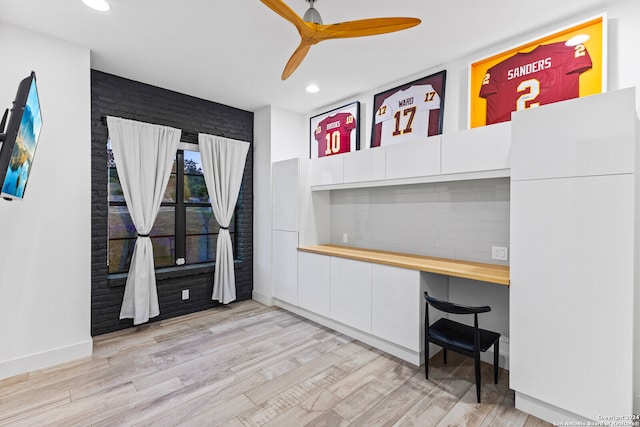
{"x": 426, "y": 360}
{"x": 496, "y": 355}
{"x": 444, "y": 355}
{"x": 477, "y": 366}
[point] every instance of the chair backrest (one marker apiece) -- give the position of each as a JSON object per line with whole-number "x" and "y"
{"x": 453, "y": 308}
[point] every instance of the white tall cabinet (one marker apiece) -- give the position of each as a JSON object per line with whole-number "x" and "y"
{"x": 298, "y": 218}
{"x": 574, "y": 251}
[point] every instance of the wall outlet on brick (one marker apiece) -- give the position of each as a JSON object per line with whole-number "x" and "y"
{"x": 185, "y": 294}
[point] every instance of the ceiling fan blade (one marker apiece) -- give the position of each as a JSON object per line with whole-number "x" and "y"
{"x": 364, "y": 27}
{"x": 279, "y": 7}
{"x": 296, "y": 59}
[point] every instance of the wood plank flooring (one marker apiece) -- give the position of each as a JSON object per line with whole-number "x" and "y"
{"x": 246, "y": 364}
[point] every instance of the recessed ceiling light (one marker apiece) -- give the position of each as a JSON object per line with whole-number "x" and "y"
{"x": 100, "y": 5}
{"x": 313, "y": 88}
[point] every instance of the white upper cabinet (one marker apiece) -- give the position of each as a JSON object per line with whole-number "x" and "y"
{"x": 364, "y": 165}
{"x": 407, "y": 160}
{"x": 327, "y": 170}
{"x": 478, "y": 149}
{"x": 597, "y": 134}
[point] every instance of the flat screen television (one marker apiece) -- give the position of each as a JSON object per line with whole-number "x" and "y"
{"x": 20, "y": 139}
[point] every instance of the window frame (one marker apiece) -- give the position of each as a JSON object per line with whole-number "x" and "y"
{"x": 180, "y": 207}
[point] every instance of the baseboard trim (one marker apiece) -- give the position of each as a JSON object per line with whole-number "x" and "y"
{"x": 547, "y": 412}
{"x": 262, "y": 298}
{"x": 46, "y": 359}
{"x": 410, "y": 356}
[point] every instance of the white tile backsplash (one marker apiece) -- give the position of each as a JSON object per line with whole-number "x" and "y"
{"x": 459, "y": 220}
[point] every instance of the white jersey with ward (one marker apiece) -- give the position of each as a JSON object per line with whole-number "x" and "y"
{"x": 405, "y": 114}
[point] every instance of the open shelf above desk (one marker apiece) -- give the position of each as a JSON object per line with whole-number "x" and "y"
{"x": 491, "y": 273}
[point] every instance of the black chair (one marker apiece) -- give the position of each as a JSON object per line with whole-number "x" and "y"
{"x": 463, "y": 339}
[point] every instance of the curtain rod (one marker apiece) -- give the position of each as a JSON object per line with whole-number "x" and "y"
{"x": 188, "y": 136}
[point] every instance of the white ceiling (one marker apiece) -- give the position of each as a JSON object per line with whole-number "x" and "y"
{"x": 233, "y": 51}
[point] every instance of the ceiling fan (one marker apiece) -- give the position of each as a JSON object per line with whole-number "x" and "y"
{"x": 313, "y": 31}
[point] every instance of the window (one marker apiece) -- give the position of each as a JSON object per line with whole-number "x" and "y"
{"x": 185, "y": 227}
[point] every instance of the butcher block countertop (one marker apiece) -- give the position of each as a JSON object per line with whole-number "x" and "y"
{"x": 492, "y": 273}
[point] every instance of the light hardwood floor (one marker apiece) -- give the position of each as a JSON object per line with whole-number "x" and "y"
{"x": 246, "y": 365}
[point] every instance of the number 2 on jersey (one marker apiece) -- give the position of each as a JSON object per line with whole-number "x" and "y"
{"x": 531, "y": 88}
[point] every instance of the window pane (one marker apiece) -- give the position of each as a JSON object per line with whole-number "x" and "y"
{"x": 164, "y": 250}
{"x": 115, "y": 188}
{"x": 192, "y": 163}
{"x": 165, "y": 222}
{"x": 122, "y": 236}
{"x": 200, "y": 248}
{"x": 120, "y": 224}
{"x": 121, "y": 251}
{"x": 200, "y": 239}
{"x": 195, "y": 188}
{"x": 200, "y": 220}
{"x": 170, "y": 193}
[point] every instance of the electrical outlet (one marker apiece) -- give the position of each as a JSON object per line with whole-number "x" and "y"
{"x": 345, "y": 238}
{"x": 500, "y": 253}
{"x": 185, "y": 294}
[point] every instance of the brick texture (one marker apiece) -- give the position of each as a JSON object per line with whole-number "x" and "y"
{"x": 115, "y": 96}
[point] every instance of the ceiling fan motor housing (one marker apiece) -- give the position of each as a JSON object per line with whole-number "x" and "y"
{"x": 312, "y": 15}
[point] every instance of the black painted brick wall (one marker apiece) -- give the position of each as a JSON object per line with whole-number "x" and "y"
{"x": 115, "y": 96}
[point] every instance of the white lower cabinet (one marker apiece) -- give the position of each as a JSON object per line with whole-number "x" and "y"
{"x": 284, "y": 265}
{"x": 314, "y": 277}
{"x": 395, "y": 302}
{"x": 374, "y": 303}
{"x": 351, "y": 293}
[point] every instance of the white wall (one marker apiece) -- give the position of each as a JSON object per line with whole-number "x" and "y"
{"x": 45, "y": 246}
{"x": 288, "y": 135}
{"x": 262, "y": 289}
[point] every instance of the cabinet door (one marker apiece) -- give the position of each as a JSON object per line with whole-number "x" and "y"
{"x": 364, "y": 165}
{"x": 594, "y": 135}
{"x": 408, "y": 160}
{"x": 285, "y": 195}
{"x": 326, "y": 170}
{"x": 395, "y": 305}
{"x": 351, "y": 293}
{"x": 571, "y": 293}
{"x": 314, "y": 276}
{"x": 479, "y": 149}
{"x": 284, "y": 262}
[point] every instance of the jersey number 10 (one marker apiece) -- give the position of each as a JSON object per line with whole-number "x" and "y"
{"x": 333, "y": 143}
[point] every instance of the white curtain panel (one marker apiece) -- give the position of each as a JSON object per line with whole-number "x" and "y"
{"x": 144, "y": 155}
{"x": 223, "y": 163}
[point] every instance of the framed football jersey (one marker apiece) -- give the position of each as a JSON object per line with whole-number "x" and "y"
{"x": 410, "y": 112}
{"x": 569, "y": 63}
{"x": 335, "y": 132}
